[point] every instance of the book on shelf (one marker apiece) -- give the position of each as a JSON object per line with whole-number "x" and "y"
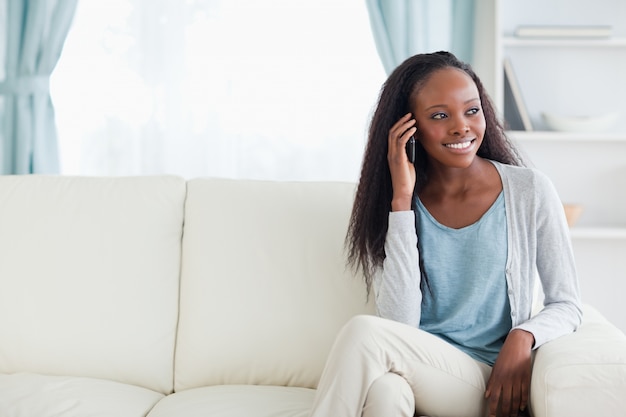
{"x": 565, "y": 31}
{"x": 515, "y": 113}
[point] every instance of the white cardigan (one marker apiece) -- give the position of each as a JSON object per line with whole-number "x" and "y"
{"x": 538, "y": 242}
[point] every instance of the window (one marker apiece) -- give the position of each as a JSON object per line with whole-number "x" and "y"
{"x": 278, "y": 89}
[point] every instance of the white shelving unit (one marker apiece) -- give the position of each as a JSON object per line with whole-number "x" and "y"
{"x": 587, "y": 169}
{"x": 570, "y": 77}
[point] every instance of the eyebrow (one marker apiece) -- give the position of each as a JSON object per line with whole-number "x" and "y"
{"x": 445, "y": 105}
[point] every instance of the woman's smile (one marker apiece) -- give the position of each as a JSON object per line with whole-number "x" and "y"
{"x": 461, "y": 146}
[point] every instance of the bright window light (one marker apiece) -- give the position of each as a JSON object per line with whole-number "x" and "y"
{"x": 273, "y": 89}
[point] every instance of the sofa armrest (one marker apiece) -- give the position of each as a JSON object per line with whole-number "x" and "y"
{"x": 583, "y": 373}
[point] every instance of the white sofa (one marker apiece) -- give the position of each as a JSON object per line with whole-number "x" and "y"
{"x": 160, "y": 297}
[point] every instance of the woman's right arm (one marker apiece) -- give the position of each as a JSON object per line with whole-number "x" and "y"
{"x": 397, "y": 285}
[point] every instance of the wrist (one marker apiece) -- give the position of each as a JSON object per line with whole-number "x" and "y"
{"x": 401, "y": 204}
{"x": 523, "y": 336}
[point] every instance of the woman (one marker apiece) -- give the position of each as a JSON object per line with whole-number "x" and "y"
{"x": 450, "y": 245}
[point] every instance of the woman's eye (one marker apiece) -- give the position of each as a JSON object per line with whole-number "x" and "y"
{"x": 439, "y": 116}
{"x": 473, "y": 110}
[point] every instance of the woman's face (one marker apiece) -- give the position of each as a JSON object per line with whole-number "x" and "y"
{"x": 450, "y": 120}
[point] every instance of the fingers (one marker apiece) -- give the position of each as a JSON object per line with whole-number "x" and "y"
{"x": 494, "y": 399}
{"x": 515, "y": 400}
{"x": 524, "y": 397}
{"x": 506, "y": 403}
{"x": 506, "y": 400}
{"x": 402, "y": 171}
{"x": 401, "y": 131}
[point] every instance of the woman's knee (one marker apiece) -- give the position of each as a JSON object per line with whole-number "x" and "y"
{"x": 359, "y": 334}
{"x": 362, "y": 326}
{"x": 389, "y": 395}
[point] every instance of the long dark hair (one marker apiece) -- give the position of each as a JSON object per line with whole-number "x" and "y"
{"x": 367, "y": 229}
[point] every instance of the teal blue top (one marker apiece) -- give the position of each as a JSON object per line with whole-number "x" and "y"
{"x": 465, "y": 301}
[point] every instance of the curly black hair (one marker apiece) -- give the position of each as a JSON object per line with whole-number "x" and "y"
{"x": 369, "y": 219}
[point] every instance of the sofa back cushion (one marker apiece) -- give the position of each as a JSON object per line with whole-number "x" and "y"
{"x": 89, "y": 274}
{"x": 264, "y": 282}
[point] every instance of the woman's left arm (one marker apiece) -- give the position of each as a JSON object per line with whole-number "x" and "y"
{"x": 562, "y": 311}
{"x": 509, "y": 384}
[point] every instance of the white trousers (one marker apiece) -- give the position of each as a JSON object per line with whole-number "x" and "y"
{"x": 382, "y": 368}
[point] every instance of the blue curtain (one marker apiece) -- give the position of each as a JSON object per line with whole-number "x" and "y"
{"x": 35, "y": 33}
{"x": 403, "y": 28}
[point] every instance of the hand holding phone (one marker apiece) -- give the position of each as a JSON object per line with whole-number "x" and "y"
{"x": 410, "y": 149}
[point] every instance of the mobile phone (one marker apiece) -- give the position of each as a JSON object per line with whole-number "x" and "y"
{"x": 410, "y": 149}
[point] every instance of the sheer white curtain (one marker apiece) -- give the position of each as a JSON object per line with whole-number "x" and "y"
{"x": 273, "y": 89}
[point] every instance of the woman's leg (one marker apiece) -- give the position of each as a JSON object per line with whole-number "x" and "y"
{"x": 390, "y": 395}
{"x": 444, "y": 380}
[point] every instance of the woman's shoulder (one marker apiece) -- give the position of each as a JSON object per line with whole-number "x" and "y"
{"x": 522, "y": 176}
{"x": 528, "y": 189}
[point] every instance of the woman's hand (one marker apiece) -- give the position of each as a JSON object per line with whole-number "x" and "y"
{"x": 402, "y": 170}
{"x": 509, "y": 384}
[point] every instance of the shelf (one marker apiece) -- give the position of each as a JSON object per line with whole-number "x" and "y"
{"x": 548, "y": 135}
{"x": 561, "y": 42}
{"x": 612, "y": 233}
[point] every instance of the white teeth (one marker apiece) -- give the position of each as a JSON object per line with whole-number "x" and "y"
{"x": 462, "y": 145}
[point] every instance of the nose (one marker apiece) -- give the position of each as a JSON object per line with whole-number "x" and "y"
{"x": 459, "y": 127}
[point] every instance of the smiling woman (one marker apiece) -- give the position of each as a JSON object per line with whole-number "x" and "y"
{"x": 243, "y": 89}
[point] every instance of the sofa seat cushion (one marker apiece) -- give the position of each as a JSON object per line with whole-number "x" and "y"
{"x": 24, "y": 395}
{"x": 237, "y": 401}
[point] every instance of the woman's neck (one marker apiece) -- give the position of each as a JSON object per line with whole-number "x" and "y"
{"x": 454, "y": 181}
